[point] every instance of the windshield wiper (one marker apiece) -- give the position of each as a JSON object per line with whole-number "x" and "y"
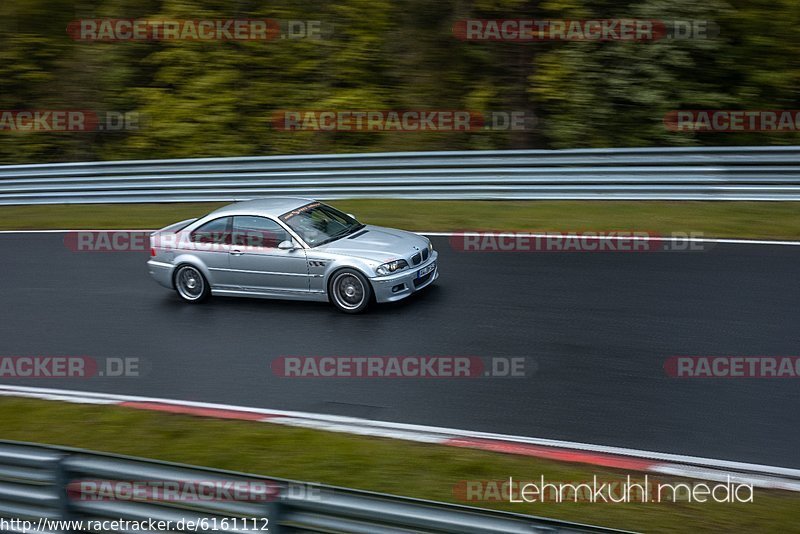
{"x": 346, "y": 231}
{"x": 356, "y": 228}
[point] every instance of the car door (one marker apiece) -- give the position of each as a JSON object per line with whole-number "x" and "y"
{"x": 257, "y": 262}
{"x": 211, "y": 243}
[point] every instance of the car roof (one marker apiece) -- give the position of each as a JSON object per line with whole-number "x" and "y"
{"x": 271, "y": 207}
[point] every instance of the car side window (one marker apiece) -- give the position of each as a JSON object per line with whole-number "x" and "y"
{"x": 252, "y": 231}
{"x": 217, "y": 232}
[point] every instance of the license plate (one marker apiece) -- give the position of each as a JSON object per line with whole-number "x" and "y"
{"x": 426, "y": 270}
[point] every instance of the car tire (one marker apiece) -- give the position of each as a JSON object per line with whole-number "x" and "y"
{"x": 349, "y": 291}
{"x": 191, "y": 285}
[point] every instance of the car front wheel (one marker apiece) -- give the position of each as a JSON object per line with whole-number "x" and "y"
{"x": 350, "y": 291}
{"x": 191, "y": 285}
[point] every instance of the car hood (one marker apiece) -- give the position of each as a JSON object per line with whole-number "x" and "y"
{"x": 377, "y": 243}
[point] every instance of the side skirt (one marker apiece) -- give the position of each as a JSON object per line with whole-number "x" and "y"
{"x": 318, "y": 296}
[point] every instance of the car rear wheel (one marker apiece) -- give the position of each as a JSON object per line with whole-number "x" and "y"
{"x": 191, "y": 285}
{"x": 350, "y": 291}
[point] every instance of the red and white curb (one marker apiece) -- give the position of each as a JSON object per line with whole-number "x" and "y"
{"x": 762, "y": 476}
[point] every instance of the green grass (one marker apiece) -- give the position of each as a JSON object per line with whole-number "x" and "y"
{"x": 766, "y": 220}
{"x": 390, "y": 466}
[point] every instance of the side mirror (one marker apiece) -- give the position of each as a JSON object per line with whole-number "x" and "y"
{"x": 286, "y": 245}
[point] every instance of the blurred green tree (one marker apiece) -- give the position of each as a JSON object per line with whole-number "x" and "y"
{"x": 218, "y": 98}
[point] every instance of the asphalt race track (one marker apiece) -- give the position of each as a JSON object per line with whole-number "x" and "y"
{"x": 596, "y": 328}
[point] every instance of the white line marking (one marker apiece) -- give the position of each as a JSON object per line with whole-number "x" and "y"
{"x": 688, "y": 471}
{"x": 430, "y": 434}
{"x": 733, "y": 241}
{"x": 68, "y": 231}
{"x": 630, "y": 238}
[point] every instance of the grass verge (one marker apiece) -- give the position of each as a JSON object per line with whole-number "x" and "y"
{"x": 390, "y": 466}
{"x": 764, "y": 220}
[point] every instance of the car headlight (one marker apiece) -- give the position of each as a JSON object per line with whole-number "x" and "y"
{"x": 391, "y": 267}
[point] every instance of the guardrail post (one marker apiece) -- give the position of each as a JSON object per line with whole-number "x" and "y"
{"x": 273, "y": 511}
{"x": 61, "y": 480}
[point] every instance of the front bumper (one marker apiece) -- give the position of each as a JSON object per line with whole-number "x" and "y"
{"x": 161, "y": 272}
{"x": 401, "y": 285}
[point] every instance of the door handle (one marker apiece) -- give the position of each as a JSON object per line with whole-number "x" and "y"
{"x": 236, "y": 252}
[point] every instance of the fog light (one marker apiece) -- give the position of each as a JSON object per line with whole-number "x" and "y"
{"x": 398, "y": 287}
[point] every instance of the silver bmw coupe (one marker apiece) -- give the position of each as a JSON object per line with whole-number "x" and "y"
{"x": 290, "y": 248}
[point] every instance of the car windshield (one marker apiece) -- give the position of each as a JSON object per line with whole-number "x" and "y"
{"x": 317, "y": 223}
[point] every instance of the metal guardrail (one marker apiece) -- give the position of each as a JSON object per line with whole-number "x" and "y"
{"x": 38, "y": 481}
{"x": 717, "y": 173}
